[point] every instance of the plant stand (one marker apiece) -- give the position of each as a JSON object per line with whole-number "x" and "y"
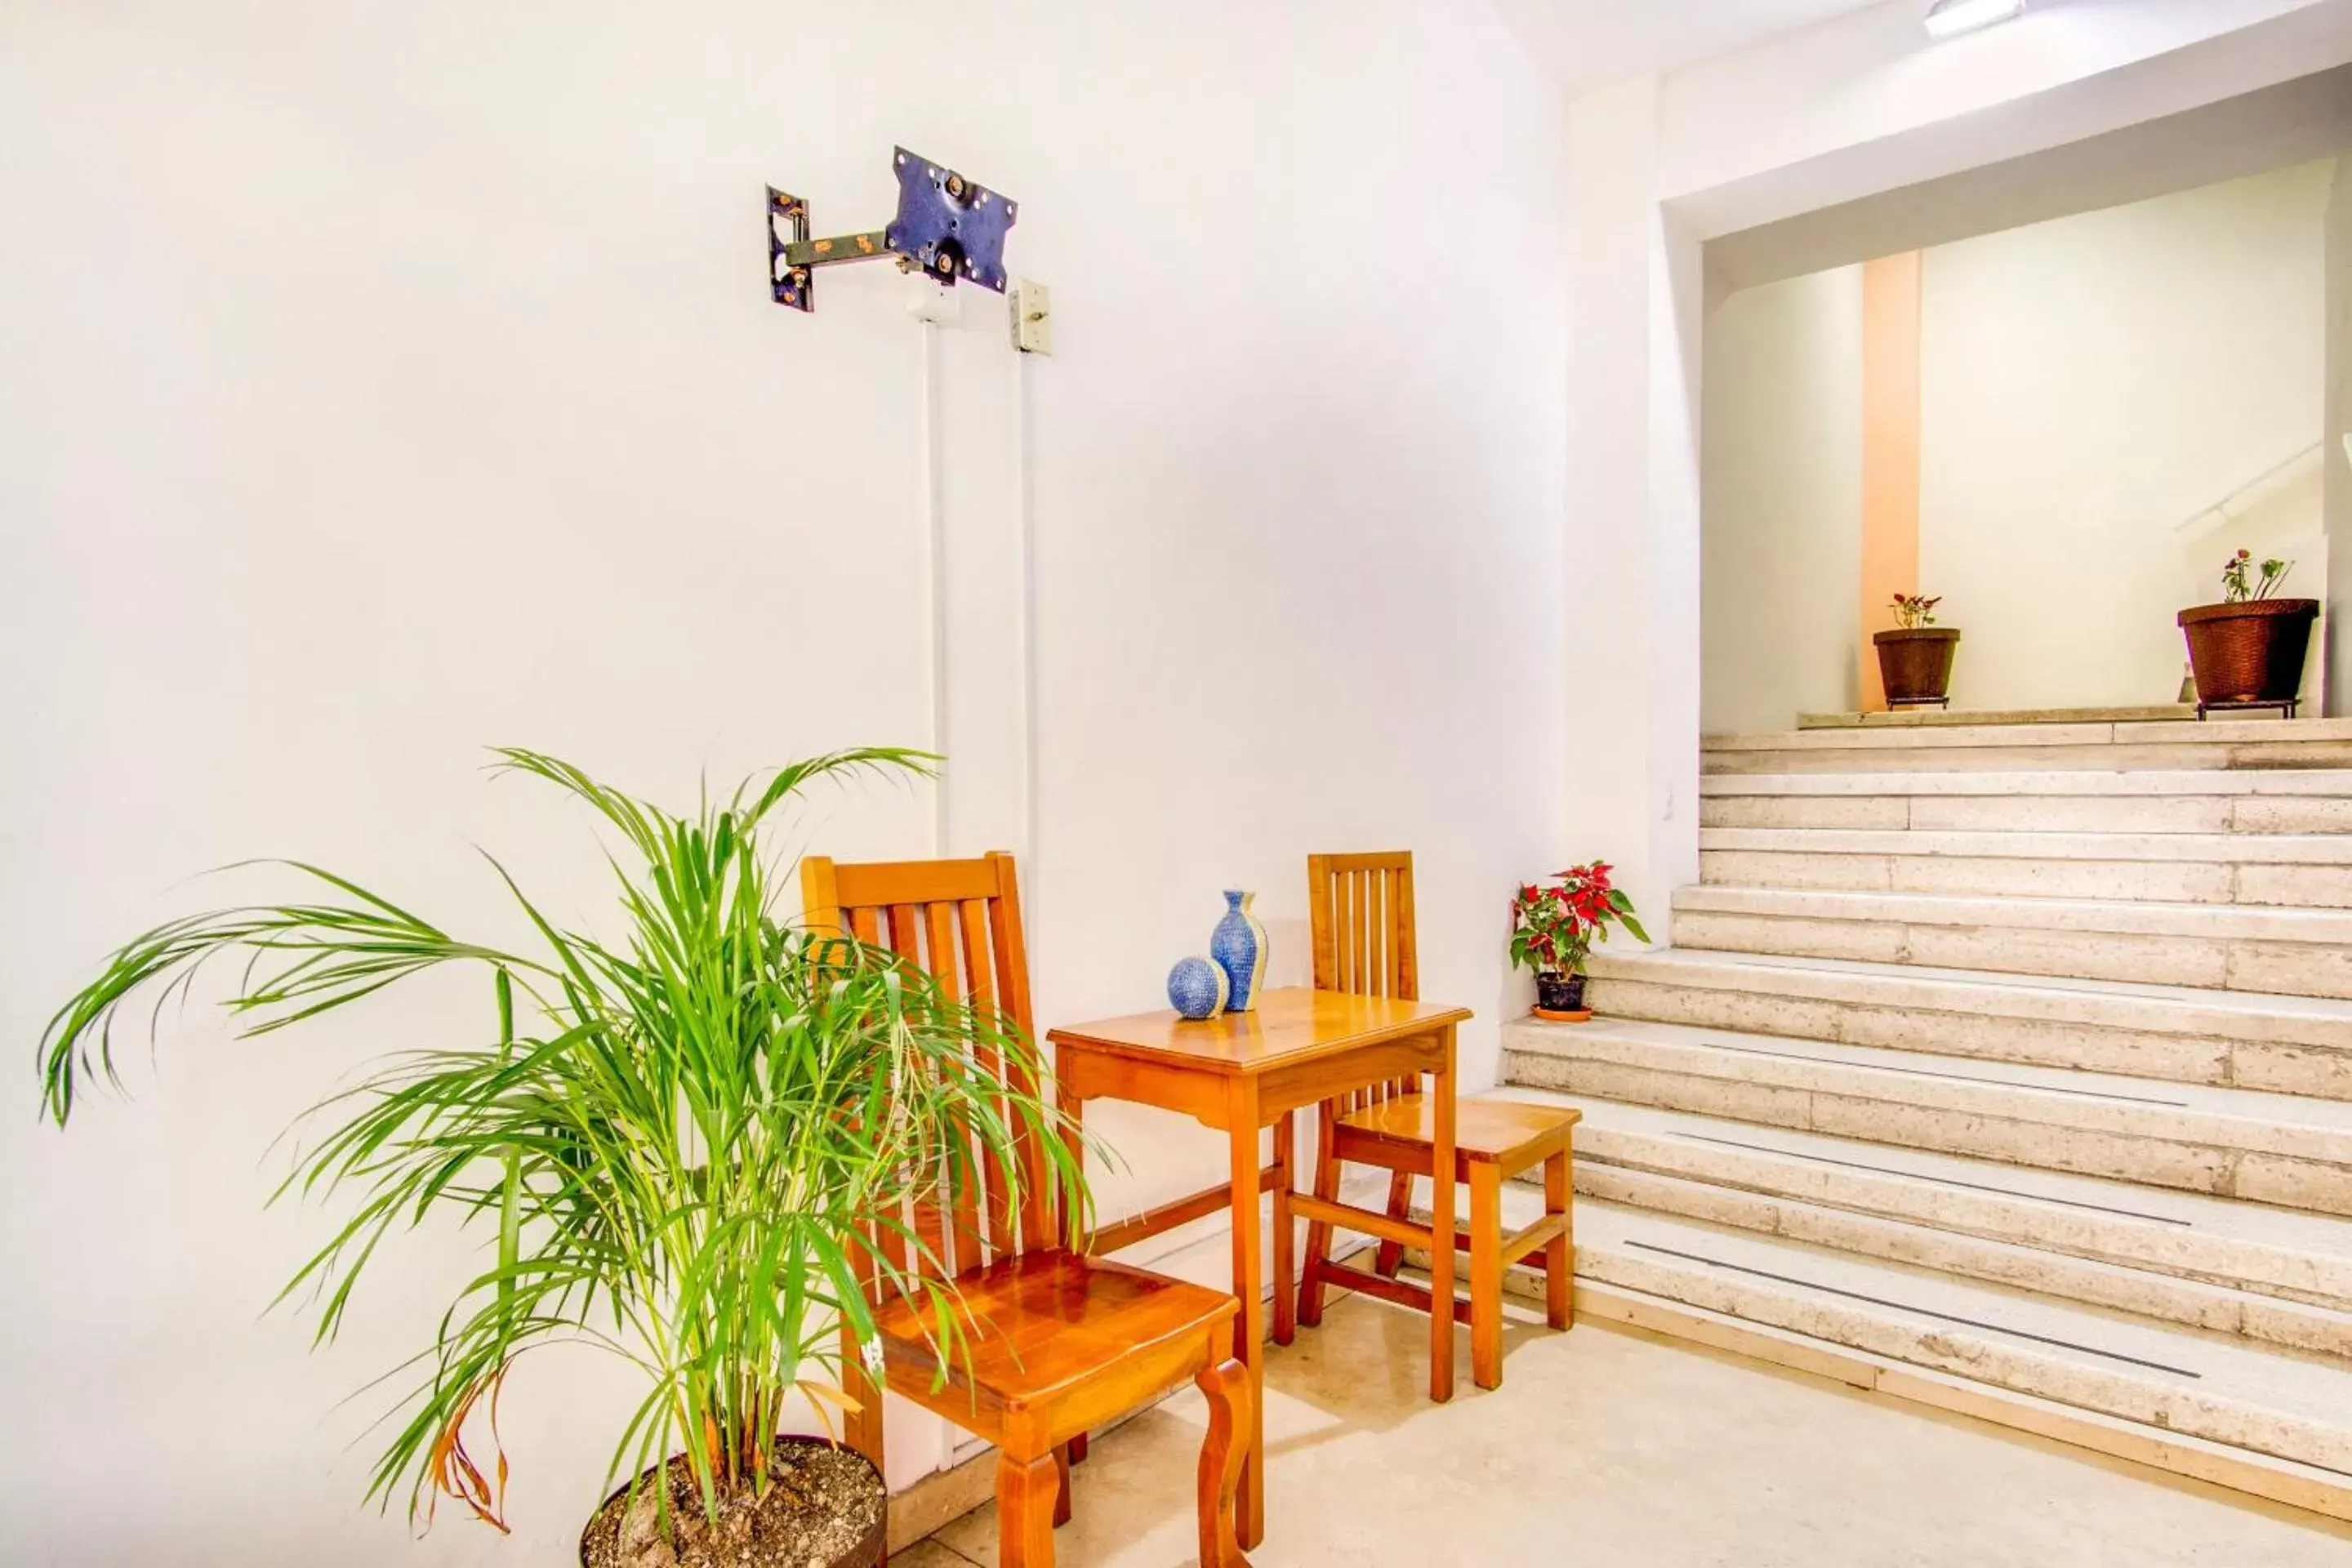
{"x": 2286, "y": 705}
{"x": 1564, "y": 1015}
{"x": 1943, "y": 702}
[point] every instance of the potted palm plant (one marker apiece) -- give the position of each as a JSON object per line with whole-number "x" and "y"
{"x": 2247, "y": 651}
{"x": 688, "y": 1145}
{"x": 1915, "y": 658}
{"x": 1553, "y": 929}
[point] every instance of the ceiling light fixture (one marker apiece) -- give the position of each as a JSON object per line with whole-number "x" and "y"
{"x": 1950, "y": 19}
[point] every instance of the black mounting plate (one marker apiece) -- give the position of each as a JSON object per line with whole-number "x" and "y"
{"x": 950, "y": 227}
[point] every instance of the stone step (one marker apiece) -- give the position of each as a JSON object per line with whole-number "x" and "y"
{"x": 2302, "y": 1487}
{"x": 2060, "y": 811}
{"x": 2272, "y": 1275}
{"x": 2297, "y": 869}
{"x": 2265, "y": 782}
{"x": 2286, "y": 1045}
{"x": 2215, "y": 744}
{"x": 2173, "y": 1382}
{"x": 2328, "y": 849}
{"x": 2267, "y": 1148}
{"x": 2239, "y": 947}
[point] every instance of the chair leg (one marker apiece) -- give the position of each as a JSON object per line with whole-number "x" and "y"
{"x": 1318, "y": 1232}
{"x": 1285, "y": 1305}
{"x": 1024, "y": 1510}
{"x": 1062, "y": 1486}
{"x": 1559, "y": 1253}
{"x": 1227, "y": 1385}
{"x": 1077, "y": 1446}
{"x": 1390, "y": 1257}
{"x": 862, "y": 1425}
{"x": 1485, "y": 1274}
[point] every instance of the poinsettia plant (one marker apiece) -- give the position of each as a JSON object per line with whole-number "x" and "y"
{"x": 1554, "y": 926}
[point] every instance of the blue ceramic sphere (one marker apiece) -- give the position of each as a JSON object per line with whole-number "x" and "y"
{"x": 1197, "y": 987}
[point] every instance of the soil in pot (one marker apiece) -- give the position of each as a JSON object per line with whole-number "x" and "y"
{"x": 825, "y": 1507}
{"x": 1914, "y": 663}
{"x": 2249, "y": 652}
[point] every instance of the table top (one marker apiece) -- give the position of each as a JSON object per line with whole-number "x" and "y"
{"x": 1287, "y": 1026}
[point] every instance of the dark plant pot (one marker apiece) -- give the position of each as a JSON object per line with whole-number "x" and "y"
{"x": 2249, "y": 653}
{"x": 1914, "y": 663}
{"x": 828, "y": 1508}
{"x": 1561, "y": 997}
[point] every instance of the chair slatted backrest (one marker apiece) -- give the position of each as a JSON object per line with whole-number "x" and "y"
{"x": 1359, "y": 910}
{"x": 958, "y": 920}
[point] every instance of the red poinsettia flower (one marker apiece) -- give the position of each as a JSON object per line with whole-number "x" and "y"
{"x": 1555, "y": 925}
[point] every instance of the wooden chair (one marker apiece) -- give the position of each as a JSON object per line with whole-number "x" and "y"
{"x": 1058, "y": 1342}
{"x": 1360, "y": 911}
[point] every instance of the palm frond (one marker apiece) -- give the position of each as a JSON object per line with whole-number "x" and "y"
{"x": 680, "y": 1146}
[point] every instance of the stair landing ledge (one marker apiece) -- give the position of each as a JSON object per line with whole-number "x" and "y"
{"x": 2169, "y": 733}
{"x": 1944, "y": 718}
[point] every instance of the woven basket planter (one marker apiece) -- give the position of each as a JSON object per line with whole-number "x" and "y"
{"x": 2250, "y": 652}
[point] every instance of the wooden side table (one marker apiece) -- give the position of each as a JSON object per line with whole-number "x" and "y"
{"x": 1240, "y": 1072}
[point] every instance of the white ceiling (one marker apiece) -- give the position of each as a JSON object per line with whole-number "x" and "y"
{"x": 1585, "y": 43}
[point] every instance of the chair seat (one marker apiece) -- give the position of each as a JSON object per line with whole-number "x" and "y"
{"x": 1047, "y": 1324}
{"x": 1506, "y": 1132}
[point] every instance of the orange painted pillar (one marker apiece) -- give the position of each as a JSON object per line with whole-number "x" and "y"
{"x": 1890, "y": 455}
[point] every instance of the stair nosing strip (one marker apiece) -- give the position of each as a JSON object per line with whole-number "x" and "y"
{"x": 1951, "y": 1077}
{"x": 1906, "y": 1307}
{"x": 1925, "y": 1180}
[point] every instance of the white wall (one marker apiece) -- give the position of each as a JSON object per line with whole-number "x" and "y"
{"x": 1781, "y": 498}
{"x": 383, "y": 381}
{"x": 2336, "y": 446}
{"x": 1632, "y": 279}
{"x": 2090, "y": 385}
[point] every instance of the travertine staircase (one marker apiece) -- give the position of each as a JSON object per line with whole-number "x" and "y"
{"x": 2005, "y": 1068}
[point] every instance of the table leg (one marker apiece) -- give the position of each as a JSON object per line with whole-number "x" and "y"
{"x": 1441, "y": 1230}
{"x": 1286, "y": 1303}
{"x": 1560, "y": 1254}
{"x": 1074, "y": 1137}
{"x": 1249, "y": 1323}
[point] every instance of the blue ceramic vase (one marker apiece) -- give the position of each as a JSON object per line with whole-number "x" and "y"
{"x": 1239, "y": 946}
{"x": 1197, "y": 987}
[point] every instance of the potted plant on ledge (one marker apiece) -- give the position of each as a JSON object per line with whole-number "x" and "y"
{"x": 1915, "y": 658}
{"x": 1553, "y": 930}
{"x": 2247, "y": 651}
{"x": 688, "y": 1146}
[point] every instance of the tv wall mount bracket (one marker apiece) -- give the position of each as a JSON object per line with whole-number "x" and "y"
{"x": 949, "y": 229}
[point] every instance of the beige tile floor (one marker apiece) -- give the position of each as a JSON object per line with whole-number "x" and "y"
{"x": 1607, "y": 1446}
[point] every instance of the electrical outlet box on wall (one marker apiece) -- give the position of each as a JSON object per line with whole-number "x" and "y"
{"x": 929, "y": 302}
{"x": 1032, "y": 317}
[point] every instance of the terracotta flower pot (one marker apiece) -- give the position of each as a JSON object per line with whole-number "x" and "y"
{"x": 2249, "y": 653}
{"x": 1560, "y": 997}
{"x": 1914, "y": 663}
{"x": 825, "y": 1507}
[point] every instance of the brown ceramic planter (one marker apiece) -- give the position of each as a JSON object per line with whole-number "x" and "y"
{"x": 2250, "y": 652}
{"x": 825, "y": 1508}
{"x": 1914, "y": 663}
